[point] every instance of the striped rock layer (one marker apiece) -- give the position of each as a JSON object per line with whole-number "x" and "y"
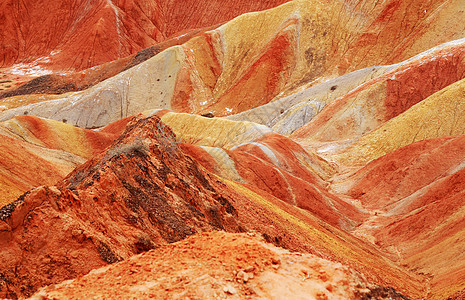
{"x": 329, "y": 127}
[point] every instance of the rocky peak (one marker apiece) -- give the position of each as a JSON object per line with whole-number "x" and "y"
{"x": 142, "y": 192}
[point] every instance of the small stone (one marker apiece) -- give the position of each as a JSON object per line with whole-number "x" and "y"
{"x": 74, "y": 254}
{"x": 229, "y": 289}
{"x": 76, "y": 232}
{"x": 55, "y": 190}
{"x": 249, "y": 269}
{"x": 242, "y": 276}
{"x": 275, "y": 261}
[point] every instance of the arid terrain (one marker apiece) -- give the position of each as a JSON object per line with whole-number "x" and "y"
{"x": 304, "y": 149}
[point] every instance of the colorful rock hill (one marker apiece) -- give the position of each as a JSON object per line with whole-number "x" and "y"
{"x": 78, "y": 34}
{"x": 331, "y": 128}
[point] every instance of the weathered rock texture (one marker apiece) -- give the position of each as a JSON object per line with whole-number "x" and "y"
{"x": 334, "y": 128}
{"x": 79, "y": 34}
{"x": 291, "y": 48}
{"x": 143, "y": 192}
{"x": 59, "y": 83}
{"x": 158, "y": 195}
{"x": 218, "y": 265}
{"x": 38, "y": 152}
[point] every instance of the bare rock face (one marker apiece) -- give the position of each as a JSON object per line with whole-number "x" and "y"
{"x": 290, "y": 49}
{"x": 39, "y": 152}
{"x": 79, "y": 34}
{"x": 59, "y": 83}
{"x": 335, "y": 128}
{"x": 141, "y": 193}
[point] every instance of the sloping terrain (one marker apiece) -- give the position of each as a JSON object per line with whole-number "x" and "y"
{"x": 330, "y": 128}
{"x": 53, "y": 40}
{"x": 155, "y": 205}
{"x": 77, "y": 34}
{"x": 158, "y": 195}
{"x": 415, "y": 195}
{"x": 241, "y": 266}
{"x": 285, "y": 53}
{"x": 59, "y": 83}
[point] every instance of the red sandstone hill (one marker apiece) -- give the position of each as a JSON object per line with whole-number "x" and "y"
{"x": 77, "y": 34}
{"x": 144, "y": 192}
{"x": 159, "y": 195}
{"x": 341, "y": 136}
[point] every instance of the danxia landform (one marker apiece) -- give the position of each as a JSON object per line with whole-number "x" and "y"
{"x": 304, "y": 149}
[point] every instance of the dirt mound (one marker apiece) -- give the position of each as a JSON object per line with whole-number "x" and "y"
{"x": 219, "y": 265}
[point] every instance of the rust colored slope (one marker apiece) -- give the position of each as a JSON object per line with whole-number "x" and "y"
{"x": 257, "y": 85}
{"x": 416, "y": 196}
{"x": 83, "y": 29}
{"x": 40, "y": 152}
{"x": 136, "y": 196}
{"x": 141, "y": 193}
{"x": 78, "y": 81}
{"x": 250, "y": 153}
{"x": 399, "y": 174}
{"x": 24, "y": 166}
{"x": 441, "y": 114}
{"x": 296, "y": 191}
{"x": 211, "y": 266}
{"x": 232, "y": 69}
{"x": 297, "y": 229}
{"x": 397, "y": 30}
{"x": 90, "y": 34}
{"x": 430, "y": 236}
{"x": 381, "y": 99}
{"x": 307, "y": 53}
{"x": 280, "y": 174}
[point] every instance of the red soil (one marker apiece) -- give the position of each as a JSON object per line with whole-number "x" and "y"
{"x": 438, "y": 203}
{"x": 405, "y": 86}
{"x": 108, "y": 29}
{"x": 144, "y": 192}
{"x": 285, "y": 177}
{"x": 417, "y": 195}
{"x": 399, "y": 174}
{"x": 56, "y": 233}
{"x": 215, "y": 265}
{"x": 81, "y": 80}
{"x": 38, "y": 152}
{"x": 414, "y": 82}
{"x": 21, "y": 169}
{"x": 392, "y": 33}
{"x": 264, "y": 79}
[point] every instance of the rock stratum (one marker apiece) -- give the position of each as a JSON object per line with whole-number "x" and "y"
{"x": 173, "y": 149}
